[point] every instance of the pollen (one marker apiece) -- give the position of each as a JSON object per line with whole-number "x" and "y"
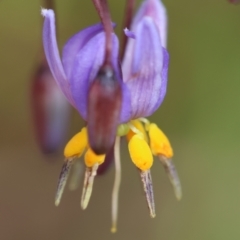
{"x": 77, "y": 144}
{"x": 140, "y": 153}
{"x": 139, "y": 129}
{"x": 91, "y": 158}
{"x": 159, "y": 143}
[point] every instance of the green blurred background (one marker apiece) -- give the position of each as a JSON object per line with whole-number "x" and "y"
{"x": 200, "y": 115}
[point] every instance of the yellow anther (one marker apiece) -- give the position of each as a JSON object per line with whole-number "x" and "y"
{"x": 91, "y": 158}
{"x": 139, "y": 127}
{"x": 140, "y": 153}
{"x": 159, "y": 143}
{"x": 77, "y": 144}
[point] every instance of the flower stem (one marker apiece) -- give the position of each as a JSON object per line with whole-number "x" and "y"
{"x": 49, "y": 4}
{"x": 128, "y": 15}
{"x": 104, "y": 14}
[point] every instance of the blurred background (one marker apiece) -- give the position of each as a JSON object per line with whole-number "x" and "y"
{"x": 200, "y": 115}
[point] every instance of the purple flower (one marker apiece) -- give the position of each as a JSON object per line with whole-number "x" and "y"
{"x": 144, "y": 67}
{"x": 82, "y": 59}
{"x": 138, "y": 90}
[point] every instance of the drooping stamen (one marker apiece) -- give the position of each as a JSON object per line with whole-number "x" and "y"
{"x": 173, "y": 175}
{"x": 63, "y": 179}
{"x": 159, "y": 143}
{"x": 128, "y": 15}
{"x": 116, "y": 186}
{"x": 146, "y": 123}
{"x": 141, "y": 156}
{"x": 77, "y": 144}
{"x": 148, "y": 189}
{"x": 92, "y": 162}
{"x": 137, "y": 128}
{"x": 90, "y": 174}
{"x": 140, "y": 153}
{"x": 76, "y": 175}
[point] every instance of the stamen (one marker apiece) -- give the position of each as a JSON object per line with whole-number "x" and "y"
{"x": 173, "y": 175}
{"x": 116, "y": 185}
{"x": 90, "y": 174}
{"x": 146, "y": 123}
{"x": 159, "y": 142}
{"x": 140, "y": 153}
{"x": 63, "y": 179}
{"x": 77, "y": 144}
{"x": 137, "y": 128}
{"x": 76, "y": 175}
{"x": 148, "y": 189}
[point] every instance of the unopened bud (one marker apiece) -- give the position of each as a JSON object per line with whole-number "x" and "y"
{"x": 51, "y": 112}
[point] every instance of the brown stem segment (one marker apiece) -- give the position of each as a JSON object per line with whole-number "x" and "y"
{"x": 49, "y": 4}
{"x": 103, "y": 12}
{"x": 127, "y": 20}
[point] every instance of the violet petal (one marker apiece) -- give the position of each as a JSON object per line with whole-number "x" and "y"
{"x": 52, "y": 53}
{"x": 85, "y": 68}
{"x": 145, "y": 79}
{"x": 157, "y": 11}
{"x": 75, "y": 44}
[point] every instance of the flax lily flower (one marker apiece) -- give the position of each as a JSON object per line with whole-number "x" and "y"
{"x": 81, "y": 75}
{"x": 143, "y": 87}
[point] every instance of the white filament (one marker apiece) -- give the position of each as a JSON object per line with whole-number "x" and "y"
{"x": 116, "y": 185}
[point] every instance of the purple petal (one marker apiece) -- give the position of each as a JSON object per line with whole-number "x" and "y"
{"x": 87, "y": 63}
{"x": 85, "y": 68}
{"x": 52, "y": 53}
{"x": 164, "y": 76}
{"x": 157, "y": 11}
{"x": 144, "y": 80}
{"x": 75, "y": 44}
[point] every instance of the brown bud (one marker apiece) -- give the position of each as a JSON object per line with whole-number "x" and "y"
{"x": 51, "y": 112}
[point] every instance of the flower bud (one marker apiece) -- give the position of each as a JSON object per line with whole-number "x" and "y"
{"x": 51, "y": 112}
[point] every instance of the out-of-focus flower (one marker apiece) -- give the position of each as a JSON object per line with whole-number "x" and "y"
{"x": 234, "y": 1}
{"x": 51, "y": 111}
{"x": 141, "y": 89}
